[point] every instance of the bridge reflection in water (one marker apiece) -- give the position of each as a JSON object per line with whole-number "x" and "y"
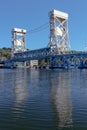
{"x": 60, "y": 93}
{"x": 61, "y": 96}
{"x": 43, "y": 99}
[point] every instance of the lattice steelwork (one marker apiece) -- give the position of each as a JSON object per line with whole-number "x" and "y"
{"x": 59, "y": 39}
{"x": 18, "y": 40}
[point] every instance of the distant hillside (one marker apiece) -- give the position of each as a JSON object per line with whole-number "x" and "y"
{"x": 5, "y": 53}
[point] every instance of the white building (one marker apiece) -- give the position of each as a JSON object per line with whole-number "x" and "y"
{"x": 33, "y": 63}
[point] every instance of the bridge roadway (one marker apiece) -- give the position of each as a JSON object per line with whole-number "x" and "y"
{"x": 67, "y": 60}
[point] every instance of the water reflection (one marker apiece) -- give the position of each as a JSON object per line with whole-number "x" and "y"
{"x": 28, "y": 105}
{"x": 60, "y": 90}
{"x": 20, "y": 86}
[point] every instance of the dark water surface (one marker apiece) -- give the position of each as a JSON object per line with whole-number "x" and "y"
{"x": 43, "y": 99}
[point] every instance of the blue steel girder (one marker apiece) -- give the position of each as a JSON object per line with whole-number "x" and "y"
{"x": 59, "y": 60}
{"x": 68, "y": 60}
{"x": 37, "y": 54}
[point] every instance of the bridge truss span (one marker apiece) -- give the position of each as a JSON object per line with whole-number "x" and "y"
{"x": 37, "y": 54}
{"x": 69, "y": 61}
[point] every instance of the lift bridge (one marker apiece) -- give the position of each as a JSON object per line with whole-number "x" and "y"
{"x": 57, "y": 51}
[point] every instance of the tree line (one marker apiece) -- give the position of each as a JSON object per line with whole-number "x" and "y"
{"x": 5, "y": 53}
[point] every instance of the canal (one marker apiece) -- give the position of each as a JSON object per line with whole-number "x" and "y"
{"x": 32, "y": 99}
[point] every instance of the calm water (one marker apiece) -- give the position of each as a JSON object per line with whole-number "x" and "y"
{"x": 43, "y": 99}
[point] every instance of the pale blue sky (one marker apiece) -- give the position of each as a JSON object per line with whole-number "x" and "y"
{"x": 30, "y": 14}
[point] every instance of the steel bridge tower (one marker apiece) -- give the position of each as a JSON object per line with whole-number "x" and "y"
{"x": 59, "y": 39}
{"x": 18, "y": 40}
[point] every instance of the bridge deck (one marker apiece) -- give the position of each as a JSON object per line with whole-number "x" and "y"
{"x": 56, "y": 60}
